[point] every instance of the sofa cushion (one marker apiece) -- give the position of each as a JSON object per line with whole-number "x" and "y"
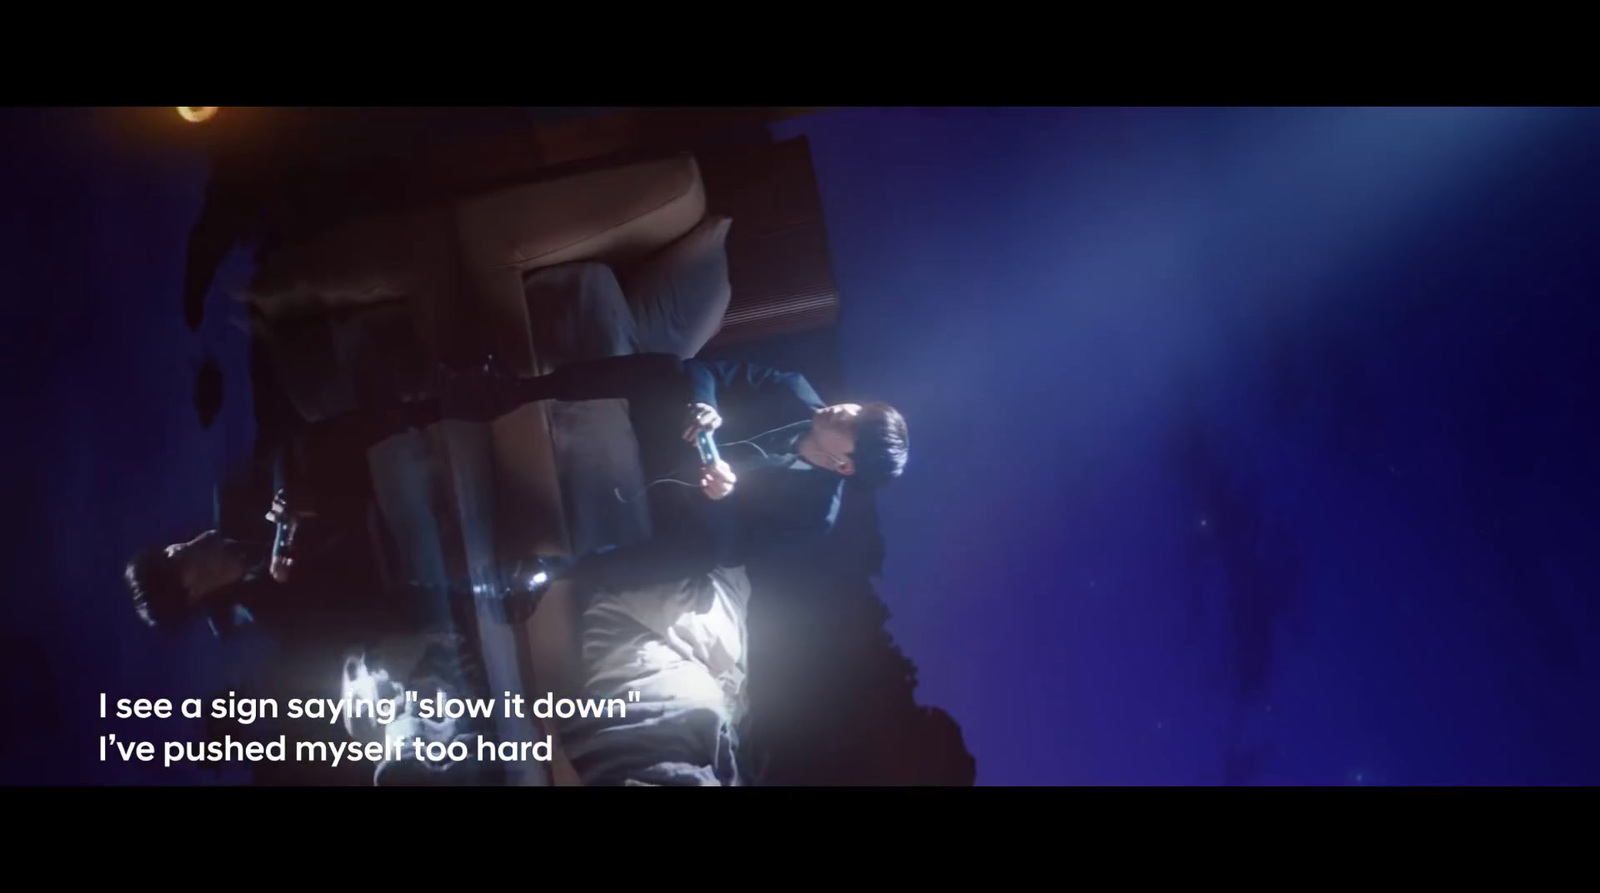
{"x": 601, "y": 479}
{"x": 678, "y": 296}
{"x": 529, "y": 517}
{"x": 577, "y": 311}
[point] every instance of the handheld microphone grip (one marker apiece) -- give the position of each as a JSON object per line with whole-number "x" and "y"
{"x": 288, "y": 524}
{"x": 707, "y": 447}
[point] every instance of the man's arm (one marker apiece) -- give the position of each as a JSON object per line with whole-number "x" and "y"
{"x": 726, "y": 386}
{"x": 703, "y": 381}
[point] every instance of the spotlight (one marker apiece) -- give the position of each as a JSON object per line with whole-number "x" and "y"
{"x": 196, "y": 114}
{"x": 538, "y": 578}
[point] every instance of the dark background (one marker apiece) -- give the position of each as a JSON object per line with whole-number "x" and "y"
{"x": 1250, "y": 446}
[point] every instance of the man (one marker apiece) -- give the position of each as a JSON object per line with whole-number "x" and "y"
{"x": 780, "y": 481}
{"x": 237, "y": 571}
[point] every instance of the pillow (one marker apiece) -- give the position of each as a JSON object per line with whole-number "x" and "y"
{"x": 678, "y": 296}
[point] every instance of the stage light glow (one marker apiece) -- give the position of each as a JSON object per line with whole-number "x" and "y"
{"x": 196, "y": 114}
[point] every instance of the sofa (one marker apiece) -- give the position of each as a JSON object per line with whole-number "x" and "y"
{"x": 587, "y": 262}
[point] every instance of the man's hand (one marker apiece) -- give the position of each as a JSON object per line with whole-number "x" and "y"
{"x": 287, "y": 518}
{"x": 702, "y": 417}
{"x": 716, "y": 481}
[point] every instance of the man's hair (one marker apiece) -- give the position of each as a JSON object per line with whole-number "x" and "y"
{"x": 157, "y": 590}
{"x": 881, "y": 445}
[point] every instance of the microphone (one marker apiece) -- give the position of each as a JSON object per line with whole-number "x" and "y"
{"x": 707, "y": 447}
{"x": 288, "y": 523}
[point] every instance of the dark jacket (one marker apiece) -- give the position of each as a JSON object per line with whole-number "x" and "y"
{"x": 774, "y": 507}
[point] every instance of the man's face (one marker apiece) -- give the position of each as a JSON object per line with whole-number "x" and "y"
{"x": 207, "y": 563}
{"x": 832, "y": 440}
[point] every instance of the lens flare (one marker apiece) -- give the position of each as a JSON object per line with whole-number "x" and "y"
{"x": 195, "y": 114}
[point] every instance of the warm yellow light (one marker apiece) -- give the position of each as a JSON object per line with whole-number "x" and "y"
{"x": 197, "y": 113}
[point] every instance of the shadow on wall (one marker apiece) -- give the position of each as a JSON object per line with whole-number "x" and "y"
{"x": 208, "y": 392}
{"x": 1256, "y": 563}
